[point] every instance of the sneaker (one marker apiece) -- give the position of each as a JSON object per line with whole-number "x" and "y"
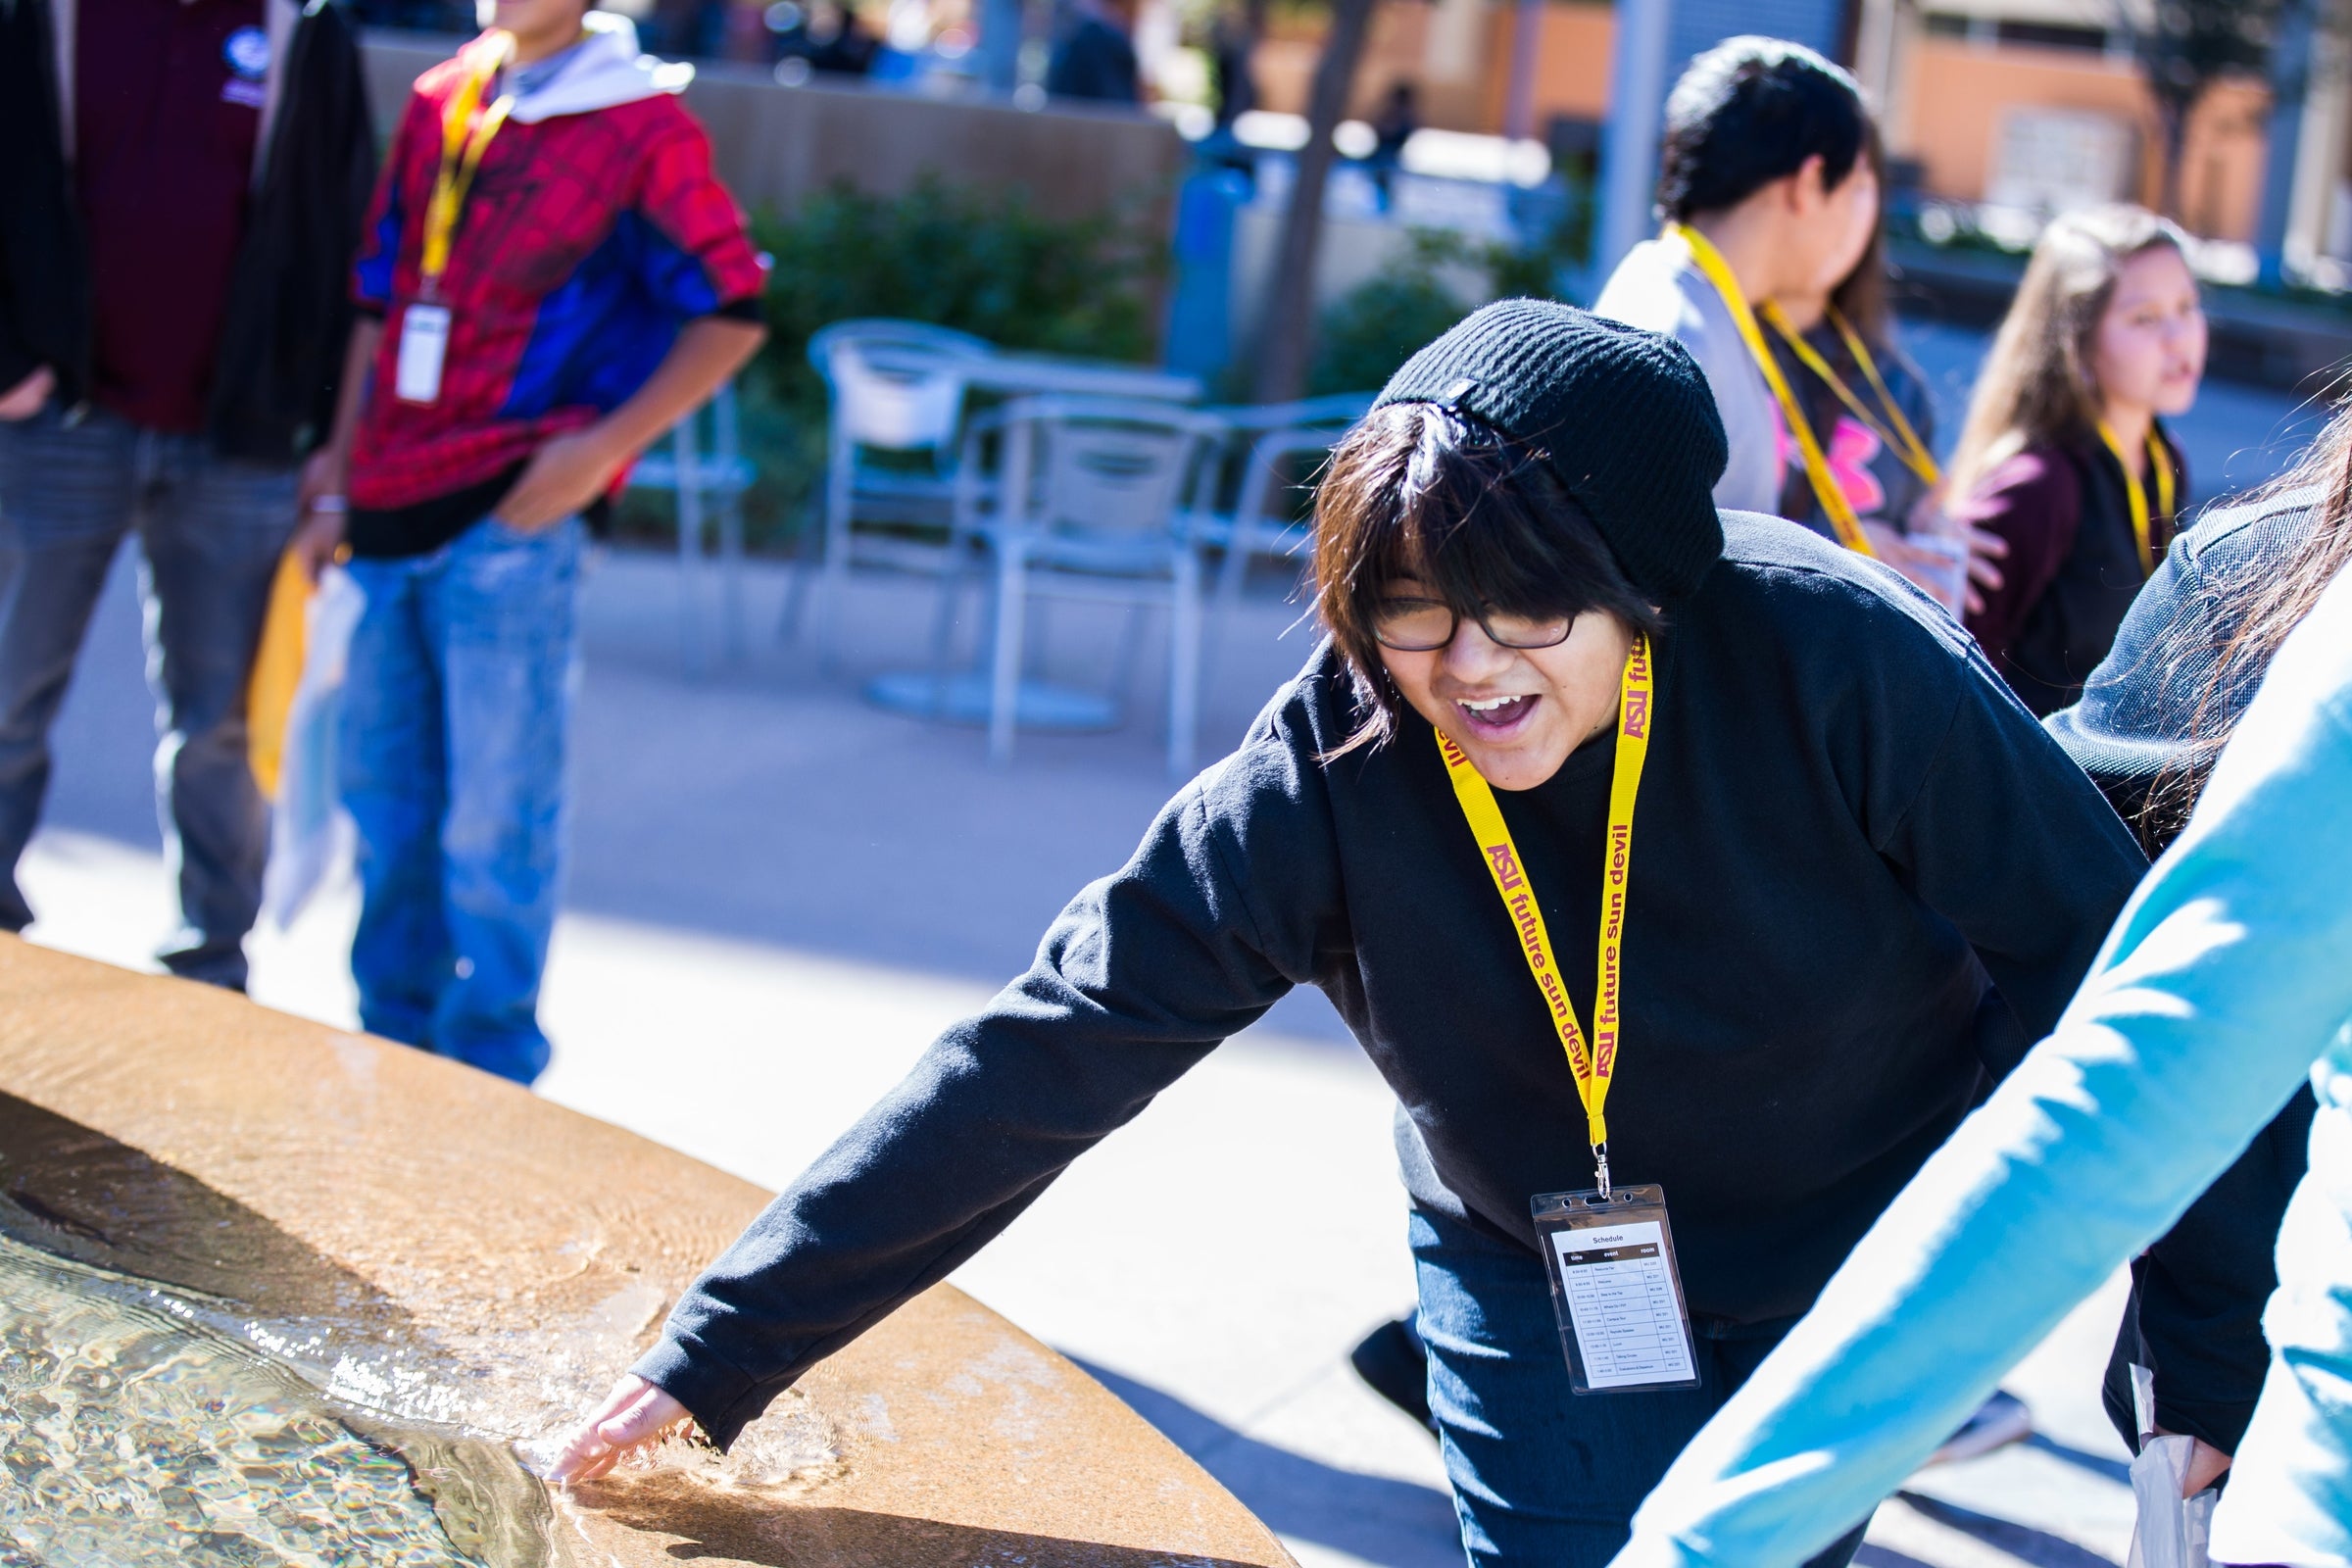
{"x": 1998, "y": 1422}
{"x": 1391, "y": 1358}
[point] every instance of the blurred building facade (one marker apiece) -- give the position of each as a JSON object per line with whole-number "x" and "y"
{"x": 2014, "y": 106}
{"x": 2028, "y": 103}
{"x": 2040, "y": 104}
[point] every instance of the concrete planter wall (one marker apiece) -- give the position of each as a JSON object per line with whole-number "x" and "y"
{"x": 777, "y": 145}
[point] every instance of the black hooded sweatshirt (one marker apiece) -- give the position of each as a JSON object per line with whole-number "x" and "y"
{"x": 1863, "y": 879}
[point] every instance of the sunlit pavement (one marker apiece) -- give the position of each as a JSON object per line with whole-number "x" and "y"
{"x": 780, "y": 895}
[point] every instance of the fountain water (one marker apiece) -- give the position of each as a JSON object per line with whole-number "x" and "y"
{"x": 134, "y": 1432}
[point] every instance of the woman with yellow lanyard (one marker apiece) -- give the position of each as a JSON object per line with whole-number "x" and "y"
{"x": 1770, "y": 271}
{"x": 1665, "y": 863}
{"x": 1768, "y": 190}
{"x": 2064, "y": 456}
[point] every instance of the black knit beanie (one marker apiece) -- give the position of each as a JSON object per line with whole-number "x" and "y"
{"x": 1624, "y": 416}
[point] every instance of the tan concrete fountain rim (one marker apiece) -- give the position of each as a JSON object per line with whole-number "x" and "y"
{"x": 500, "y": 1226}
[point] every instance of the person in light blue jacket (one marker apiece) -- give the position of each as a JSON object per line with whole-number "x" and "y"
{"x": 2227, "y": 980}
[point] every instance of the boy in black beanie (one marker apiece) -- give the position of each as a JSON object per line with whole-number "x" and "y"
{"x": 1578, "y": 753}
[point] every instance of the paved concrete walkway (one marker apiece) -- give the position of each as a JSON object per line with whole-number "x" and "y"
{"x": 780, "y": 895}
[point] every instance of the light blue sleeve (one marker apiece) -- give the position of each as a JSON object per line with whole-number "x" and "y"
{"x": 2221, "y": 983}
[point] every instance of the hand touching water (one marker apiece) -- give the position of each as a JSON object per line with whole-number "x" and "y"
{"x": 634, "y": 1414}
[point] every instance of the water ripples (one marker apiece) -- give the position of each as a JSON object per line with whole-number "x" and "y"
{"x": 132, "y": 1433}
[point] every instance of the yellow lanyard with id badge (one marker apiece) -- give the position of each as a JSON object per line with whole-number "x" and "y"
{"x": 424, "y": 323}
{"x": 1608, "y": 1249}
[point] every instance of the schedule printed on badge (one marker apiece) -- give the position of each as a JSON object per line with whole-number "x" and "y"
{"x": 1622, "y": 1300}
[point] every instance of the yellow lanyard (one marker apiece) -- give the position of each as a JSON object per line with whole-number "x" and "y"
{"x": 2160, "y": 464}
{"x": 1901, "y": 439}
{"x": 1834, "y": 504}
{"x": 464, "y": 140}
{"x": 1596, "y": 1067}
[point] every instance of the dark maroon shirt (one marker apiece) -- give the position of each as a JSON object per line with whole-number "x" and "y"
{"x": 167, "y": 113}
{"x": 2073, "y": 567}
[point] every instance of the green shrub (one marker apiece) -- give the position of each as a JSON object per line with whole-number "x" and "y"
{"x": 980, "y": 262}
{"x": 1539, "y": 269}
{"x": 1375, "y": 328}
{"x": 1367, "y": 333}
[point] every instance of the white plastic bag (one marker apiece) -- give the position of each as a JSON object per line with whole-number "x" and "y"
{"x": 2171, "y": 1532}
{"x": 307, "y": 830}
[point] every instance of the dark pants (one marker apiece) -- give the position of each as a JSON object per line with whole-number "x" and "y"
{"x": 1544, "y": 1477}
{"x": 210, "y": 533}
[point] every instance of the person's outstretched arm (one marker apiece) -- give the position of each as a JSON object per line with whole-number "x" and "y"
{"x": 1228, "y": 903}
{"x": 2221, "y": 983}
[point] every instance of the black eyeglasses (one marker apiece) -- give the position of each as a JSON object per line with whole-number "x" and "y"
{"x": 1425, "y": 626}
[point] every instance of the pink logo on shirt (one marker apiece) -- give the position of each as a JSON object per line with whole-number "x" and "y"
{"x": 1852, "y": 448}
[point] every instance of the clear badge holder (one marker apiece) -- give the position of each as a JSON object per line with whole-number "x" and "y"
{"x": 1616, "y": 1289}
{"x": 423, "y": 344}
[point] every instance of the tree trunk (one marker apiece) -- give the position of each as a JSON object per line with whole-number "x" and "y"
{"x": 1285, "y": 332}
{"x": 1253, "y": 33}
{"x": 2172, "y": 115}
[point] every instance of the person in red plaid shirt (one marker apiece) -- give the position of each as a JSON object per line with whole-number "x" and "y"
{"x": 551, "y": 279}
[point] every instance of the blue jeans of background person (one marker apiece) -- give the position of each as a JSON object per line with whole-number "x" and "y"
{"x": 455, "y": 715}
{"x": 1544, "y": 1477}
{"x": 210, "y": 531}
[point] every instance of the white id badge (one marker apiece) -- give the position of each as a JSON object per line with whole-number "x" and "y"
{"x": 423, "y": 340}
{"x": 1616, "y": 1289}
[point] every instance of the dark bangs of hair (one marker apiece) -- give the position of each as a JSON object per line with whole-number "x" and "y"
{"x": 1421, "y": 491}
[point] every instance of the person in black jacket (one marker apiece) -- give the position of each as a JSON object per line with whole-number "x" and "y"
{"x": 181, "y": 192}
{"x": 2186, "y": 662}
{"x": 1850, "y": 880}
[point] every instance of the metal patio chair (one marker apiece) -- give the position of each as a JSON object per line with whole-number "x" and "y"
{"x": 896, "y": 393}
{"x": 1264, "y": 523}
{"x": 1081, "y": 503}
{"x": 1245, "y": 509}
{"x": 1242, "y": 494}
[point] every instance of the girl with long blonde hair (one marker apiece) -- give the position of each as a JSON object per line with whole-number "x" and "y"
{"x": 2064, "y": 456}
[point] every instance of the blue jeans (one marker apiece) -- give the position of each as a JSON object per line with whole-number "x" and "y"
{"x": 209, "y": 531}
{"x": 455, "y": 716}
{"x": 1544, "y": 1477}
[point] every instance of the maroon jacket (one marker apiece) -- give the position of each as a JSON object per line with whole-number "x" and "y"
{"x": 2072, "y": 568}
{"x": 270, "y": 344}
